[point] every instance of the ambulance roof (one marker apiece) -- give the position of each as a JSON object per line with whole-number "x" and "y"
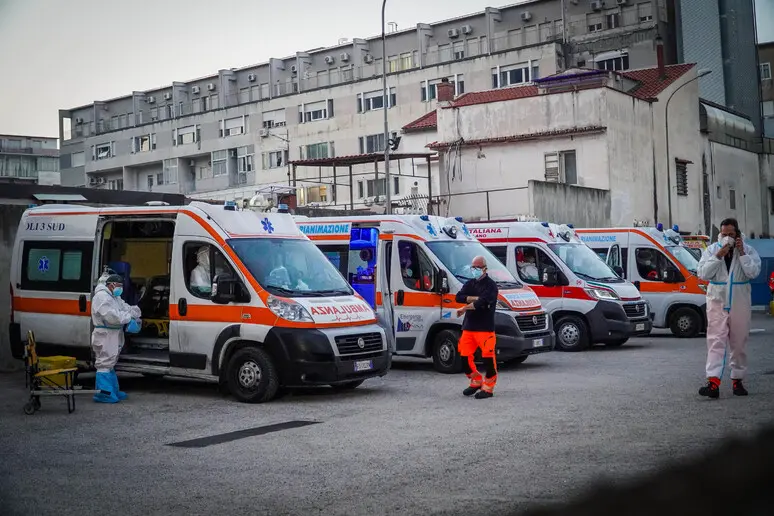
{"x": 667, "y": 237}
{"x": 547, "y": 232}
{"x": 427, "y": 227}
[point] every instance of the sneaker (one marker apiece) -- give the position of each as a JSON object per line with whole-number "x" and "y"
{"x": 470, "y": 391}
{"x": 480, "y": 395}
{"x": 739, "y": 389}
{"x": 711, "y": 390}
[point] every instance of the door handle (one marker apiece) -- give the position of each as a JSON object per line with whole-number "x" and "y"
{"x": 82, "y": 303}
{"x": 182, "y": 307}
{"x": 447, "y": 300}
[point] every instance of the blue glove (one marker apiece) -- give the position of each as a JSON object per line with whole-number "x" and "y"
{"x": 134, "y": 326}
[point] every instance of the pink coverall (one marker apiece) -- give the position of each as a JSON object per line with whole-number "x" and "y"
{"x": 728, "y": 308}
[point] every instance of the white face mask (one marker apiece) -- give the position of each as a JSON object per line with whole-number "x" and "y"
{"x": 727, "y": 240}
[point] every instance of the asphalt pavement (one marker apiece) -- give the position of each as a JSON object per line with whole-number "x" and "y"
{"x": 408, "y": 443}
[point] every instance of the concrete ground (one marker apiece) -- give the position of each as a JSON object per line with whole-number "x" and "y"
{"x": 408, "y": 443}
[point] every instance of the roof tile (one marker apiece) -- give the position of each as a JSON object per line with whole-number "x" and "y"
{"x": 426, "y": 121}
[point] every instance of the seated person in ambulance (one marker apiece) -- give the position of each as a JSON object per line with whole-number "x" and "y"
{"x": 287, "y": 272}
{"x": 200, "y": 280}
{"x": 410, "y": 271}
{"x": 525, "y": 261}
{"x": 647, "y": 264}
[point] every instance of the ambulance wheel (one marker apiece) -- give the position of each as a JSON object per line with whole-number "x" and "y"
{"x": 571, "y": 333}
{"x": 252, "y": 377}
{"x": 446, "y": 358}
{"x": 685, "y": 323}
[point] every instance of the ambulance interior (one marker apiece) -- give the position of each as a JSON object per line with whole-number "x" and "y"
{"x": 357, "y": 262}
{"x": 141, "y": 252}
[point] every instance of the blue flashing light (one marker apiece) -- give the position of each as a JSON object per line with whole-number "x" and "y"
{"x": 282, "y": 208}
{"x": 675, "y": 229}
{"x": 229, "y": 206}
{"x": 571, "y": 226}
{"x": 660, "y": 226}
{"x": 458, "y": 219}
{"x": 544, "y": 224}
{"x": 424, "y": 217}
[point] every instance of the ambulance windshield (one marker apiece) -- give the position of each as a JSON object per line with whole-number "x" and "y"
{"x": 684, "y": 256}
{"x": 457, "y": 257}
{"x": 290, "y": 267}
{"x": 584, "y": 262}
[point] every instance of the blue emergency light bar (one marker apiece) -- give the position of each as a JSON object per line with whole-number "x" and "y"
{"x": 675, "y": 229}
{"x": 458, "y": 219}
{"x": 570, "y": 226}
{"x": 229, "y": 206}
{"x": 424, "y": 217}
{"x": 660, "y": 226}
{"x": 544, "y": 224}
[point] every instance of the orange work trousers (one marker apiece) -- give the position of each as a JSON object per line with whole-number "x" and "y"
{"x": 470, "y": 342}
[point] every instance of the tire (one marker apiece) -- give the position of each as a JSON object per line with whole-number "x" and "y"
{"x": 446, "y": 357}
{"x": 29, "y": 408}
{"x": 517, "y": 360}
{"x": 571, "y": 333}
{"x": 685, "y": 323}
{"x": 616, "y": 343}
{"x": 252, "y": 376}
{"x": 347, "y": 386}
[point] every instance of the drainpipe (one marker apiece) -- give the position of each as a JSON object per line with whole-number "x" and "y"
{"x": 655, "y": 174}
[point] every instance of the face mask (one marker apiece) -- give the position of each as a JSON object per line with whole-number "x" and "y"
{"x": 477, "y": 273}
{"x": 118, "y": 291}
{"x": 727, "y": 240}
{"x": 408, "y": 272}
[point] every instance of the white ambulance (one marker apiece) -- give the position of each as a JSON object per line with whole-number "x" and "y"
{"x": 409, "y": 268}
{"x": 277, "y": 312}
{"x": 588, "y": 301}
{"x": 662, "y": 268}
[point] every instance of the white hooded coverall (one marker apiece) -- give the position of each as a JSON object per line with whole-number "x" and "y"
{"x": 728, "y": 308}
{"x": 109, "y": 314}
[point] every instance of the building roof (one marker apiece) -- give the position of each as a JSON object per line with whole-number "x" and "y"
{"x": 357, "y": 159}
{"x": 648, "y": 88}
{"x": 572, "y": 131}
{"x": 33, "y": 194}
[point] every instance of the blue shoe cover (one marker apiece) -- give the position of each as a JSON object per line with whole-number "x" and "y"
{"x": 104, "y": 383}
{"x": 121, "y": 395}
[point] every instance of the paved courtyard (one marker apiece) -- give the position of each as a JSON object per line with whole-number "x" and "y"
{"x": 408, "y": 443}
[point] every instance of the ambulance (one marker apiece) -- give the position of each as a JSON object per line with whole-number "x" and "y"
{"x": 696, "y": 244}
{"x": 655, "y": 260}
{"x": 588, "y": 302}
{"x": 277, "y": 313}
{"x": 409, "y": 268}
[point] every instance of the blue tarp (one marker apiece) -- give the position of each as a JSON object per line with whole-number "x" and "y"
{"x": 761, "y": 295}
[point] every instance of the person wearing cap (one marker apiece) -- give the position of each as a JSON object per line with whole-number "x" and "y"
{"x": 109, "y": 314}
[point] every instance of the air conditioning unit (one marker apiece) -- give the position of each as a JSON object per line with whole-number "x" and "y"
{"x": 597, "y": 5}
{"x": 92, "y": 180}
{"x": 368, "y": 201}
{"x": 151, "y": 99}
{"x": 526, "y": 16}
{"x": 195, "y": 90}
{"x": 329, "y": 59}
{"x": 344, "y": 57}
{"x": 467, "y": 29}
{"x": 79, "y": 120}
{"x": 167, "y": 96}
{"x": 368, "y": 58}
{"x": 294, "y": 69}
{"x": 263, "y": 133}
{"x": 211, "y": 86}
{"x": 100, "y": 180}
{"x": 453, "y": 33}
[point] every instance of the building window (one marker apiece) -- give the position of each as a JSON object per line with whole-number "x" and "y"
{"x": 361, "y": 193}
{"x": 275, "y": 159}
{"x": 613, "y": 20}
{"x": 77, "y": 159}
{"x": 375, "y": 100}
{"x": 458, "y": 49}
{"x": 429, "y": 88}
{"x": 376, "y": 187}
{"x": 732, "y": 199}
{"x": 315, "y": 111}
{"x": 150, "y": 182}
{"x": 595, "y": 27}
{"x": 768, "y": 108}
{"x": 144, "y": 143}
{"x": 233, "y": 126}
{"x": 645, "y": 11}
{"x": 510, "y": 75}
{"x": 646, "y": 18}
{"x": 407, "y": 61}
{"x": 765, "y": 71}
{"x": 186, "y": 135}
{"x": 219, "y": 163}
{"x": 393, "y": 65}
{"x": 373, "y": 143}
{"x": 719, "y": 192}
{"x": 561, "y": 167}
{"x": 48, "y": 164}
{"x": 771, "y": 201}
{"x": 681, "y": 171}
{"x": 614, "y": 64}
{"x": 317, "y": 151}
{"x": 244, "y": 161}
{"x": 169, "y": 172}
{"x": 115, "y": 184}
{"x": 274, "y": 118}
{"x": 102, "y": 151}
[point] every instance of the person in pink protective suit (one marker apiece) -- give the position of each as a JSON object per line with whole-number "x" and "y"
{"x": 728, "y": 265}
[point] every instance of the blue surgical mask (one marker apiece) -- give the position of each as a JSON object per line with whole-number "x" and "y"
{"x": 118, "y": 291}
{"x": 477, "y": 273}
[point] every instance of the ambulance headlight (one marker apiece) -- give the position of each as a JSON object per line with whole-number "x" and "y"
{"x": 602, "y": 294}
{"x": 502, "y": 305}
{"x": 289, "y": 310}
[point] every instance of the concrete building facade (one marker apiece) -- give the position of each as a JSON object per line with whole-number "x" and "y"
{"x": 766, "y": 74}
{"x": 29, "y": 159}
{"x": 227, "y": 135}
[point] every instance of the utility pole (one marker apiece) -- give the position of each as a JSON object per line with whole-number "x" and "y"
{"x": 385, "y": 98}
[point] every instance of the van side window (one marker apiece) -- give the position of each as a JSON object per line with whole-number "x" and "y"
{"x": 202, "y": 262}
{"x": 651, "y": 263}
{"x": 500, "y": 252}
{"x": 530, "y": 262}
{"x": 57, "y": 266}
{"x": 415, "y": 268}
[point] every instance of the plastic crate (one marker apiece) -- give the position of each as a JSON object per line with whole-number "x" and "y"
{"x": 56, "y": 362}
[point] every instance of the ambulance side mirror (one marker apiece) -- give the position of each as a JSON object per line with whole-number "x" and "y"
{"x": 619, "y": 271}
{"x": 671, "y": 275}
{"x": 550, "y": 277}
{"x": 224, "y": 289}
{"x": 442, "y": 282}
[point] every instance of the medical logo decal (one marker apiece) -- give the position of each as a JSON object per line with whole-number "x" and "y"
{"x": 43, "y": 265}
{"x": 522, "y": 300}
{"x": 446, "y": 315}
{"x": 409, "y": 323}
{"x": 431, "y": 230}
{"x": 267, "y": 226}
{"x": 465, "y": 230}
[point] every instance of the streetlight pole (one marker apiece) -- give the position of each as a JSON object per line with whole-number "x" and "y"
{"x": 701, "y": 74}
{"x": 386, "y": 126}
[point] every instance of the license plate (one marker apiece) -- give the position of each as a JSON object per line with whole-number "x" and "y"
{"x": 537, "y": 343}
{"x": 640, "y": 327}
{"x": 364, "y": 365}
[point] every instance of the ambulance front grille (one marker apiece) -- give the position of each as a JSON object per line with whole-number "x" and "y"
{"x": 528, "y": 323}
{"x": 635, "y": 310}
{"x": 348, "y": 344}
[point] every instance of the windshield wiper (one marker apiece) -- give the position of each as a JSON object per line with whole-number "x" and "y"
{"x": 508, "y": 284}
{"x": 333, "y": 292}
{"x": 462, "y": 278}
{"x": 282, "y": 290}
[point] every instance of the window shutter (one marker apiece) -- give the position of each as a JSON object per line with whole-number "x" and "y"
{"x": 301, "y": 114}
{"x": 393, "y": 98}
{"x": 362, "y": 146}
{"x": 552, "y": 167}
{"x": 331, "y": 150}
{"x": 265, "y": 161}
{"x": 330, "y": 108}
{"x": 359, "y": 103}
{"x": 301, "y": 153}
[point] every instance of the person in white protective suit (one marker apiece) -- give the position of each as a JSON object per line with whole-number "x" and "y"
{"x": 200, "y": 275}
{"x": 728, "y": 265}
{"x": 109, "y": 314}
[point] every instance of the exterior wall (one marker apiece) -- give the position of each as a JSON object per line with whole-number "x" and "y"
{"x": 29, "y": 159}
{"x": 735, "y": 169}
{"x": 766, "y": 55}
{"x": 766, "y": 167}
{"x": 699, "y": 41}
{"x": 561, "y": 203}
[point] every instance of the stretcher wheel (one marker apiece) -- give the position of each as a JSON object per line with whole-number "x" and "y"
{"x": 36, "y": 403}
{"x": 29, "y": 408}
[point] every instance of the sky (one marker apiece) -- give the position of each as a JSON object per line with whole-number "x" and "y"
{"x": 59, "y": 54}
